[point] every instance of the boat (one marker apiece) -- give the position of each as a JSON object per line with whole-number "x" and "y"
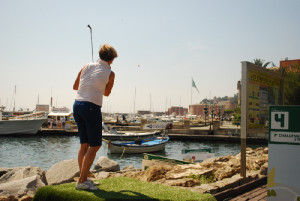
{"x": 197, "y": 155}
{"x": 24, "y": 124}
{"x": 148, "y": 145}
{"x": 155, "y": 160}
{"x": 113, "y": 134}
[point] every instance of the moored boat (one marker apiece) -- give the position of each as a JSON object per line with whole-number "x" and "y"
{"x": 113, "y": 134}
{"x": 26, "y": 124}
{"x": 148, "y": 145}
{"x": 129, "y": 136}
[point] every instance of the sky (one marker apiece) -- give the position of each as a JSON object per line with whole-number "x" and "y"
{"x": 162, "y": 46}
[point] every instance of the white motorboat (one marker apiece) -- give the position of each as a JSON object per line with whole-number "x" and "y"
{"x": 25, "y": 124}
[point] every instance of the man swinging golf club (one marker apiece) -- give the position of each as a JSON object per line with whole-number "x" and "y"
{"x": 93, "y": 81}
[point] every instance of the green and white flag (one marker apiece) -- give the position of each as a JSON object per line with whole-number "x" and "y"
{"x": 194, "y": 85}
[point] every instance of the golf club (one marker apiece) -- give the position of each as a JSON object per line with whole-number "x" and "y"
{"x": 91, "y": 41}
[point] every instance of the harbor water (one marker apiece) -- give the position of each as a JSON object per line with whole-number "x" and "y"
{"x": 45, "y": 151}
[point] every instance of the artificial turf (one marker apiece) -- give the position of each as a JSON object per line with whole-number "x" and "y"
{"x": 120, "y": 188}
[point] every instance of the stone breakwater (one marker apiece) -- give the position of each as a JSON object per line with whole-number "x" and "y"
{"x": 219, "y": 174}
{"x": 222, "y": 173}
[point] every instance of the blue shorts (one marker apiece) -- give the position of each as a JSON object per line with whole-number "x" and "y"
{"x": 88, "y": 118}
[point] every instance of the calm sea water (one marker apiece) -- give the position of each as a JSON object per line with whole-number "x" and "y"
{"x": 45, "y": 151}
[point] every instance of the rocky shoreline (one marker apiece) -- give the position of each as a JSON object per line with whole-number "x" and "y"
{"x": 211, "y": 176}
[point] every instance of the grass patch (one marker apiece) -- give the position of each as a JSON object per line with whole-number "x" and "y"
{"x": 203, "y": 179}
{"x": 119, "y": 188}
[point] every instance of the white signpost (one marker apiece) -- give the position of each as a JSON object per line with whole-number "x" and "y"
{"x": 284, "y": 147}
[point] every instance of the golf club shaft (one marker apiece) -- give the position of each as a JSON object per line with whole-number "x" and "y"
{"x": 91, "y": 42}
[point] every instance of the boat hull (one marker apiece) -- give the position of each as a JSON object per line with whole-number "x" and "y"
{"x": 128, "y": 136}
{"x": 22, "y": 126}
{"x": 115, "y": 148}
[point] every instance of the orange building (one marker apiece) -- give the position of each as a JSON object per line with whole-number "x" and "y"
{"x": 290, "y": 65}
{"x": 178, "y": 111}
{"x": 198, "y": 109}
{"x": 228, "y": 105}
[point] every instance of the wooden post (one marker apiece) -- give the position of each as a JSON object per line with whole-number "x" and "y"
{"x": 243, "y": 158}
{"x": 244, "y": 116}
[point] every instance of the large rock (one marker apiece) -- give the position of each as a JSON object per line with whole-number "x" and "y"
{"x": 20, "y": 188}
{"x": 177, "y": 174}
{"x": 19, "y": 173}
{"x": 102, "y": 175}
{"x": 8, "y": 198}
{"x": 26, "y": 198}
{"x": 264, "y": 169}
{"x": 63, "y": 172}
{"x": 186, "y": 182}
{"x": 151, "y": 174}
{"x": 105, "y": 164}
{"x": 228, "y": 183}
{"x": 226, "y": 172}
{"x": 130, "y": 168}
{"x": 207, "y": 188}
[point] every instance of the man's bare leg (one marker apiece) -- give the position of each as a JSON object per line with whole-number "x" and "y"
{"x": 81, "y": 153}
{"x": 87, "y": 162}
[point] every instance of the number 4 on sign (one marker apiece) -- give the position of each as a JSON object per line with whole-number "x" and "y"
{"x": 280, "y": 120}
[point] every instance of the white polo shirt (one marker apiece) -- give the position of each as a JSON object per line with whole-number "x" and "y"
{"x": 93, "y": 80}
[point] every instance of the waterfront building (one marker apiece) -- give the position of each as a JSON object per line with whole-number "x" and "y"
{"x": 228, "y": 105}
{"x": 180, "y": 111}
{"x": 290, "y": 65}
{"x": 158, "y": 113}
{"x": 199, "y": 109}
{"x": 143, "y": 112}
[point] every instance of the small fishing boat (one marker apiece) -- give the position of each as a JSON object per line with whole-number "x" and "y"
{"x": 128, "y": 136}
{"x": 139, "y": 146}
{"x": 113, "y": 134}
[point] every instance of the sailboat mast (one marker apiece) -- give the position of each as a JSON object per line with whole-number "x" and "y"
{"x": 166, "y": 104}
{"x": 51, "y": 100}
{"x": 134, "y": 100}
{"x": 179, "y": 105}
{"x": 150, "y": 102}
{"x": 15, "y": 98}
{"x": 192, "y": 92}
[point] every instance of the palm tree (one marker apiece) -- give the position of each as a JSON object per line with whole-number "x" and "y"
{"x": 260, "y": 62}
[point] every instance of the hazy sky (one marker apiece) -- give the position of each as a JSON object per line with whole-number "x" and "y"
{"x": 161, "y": 44}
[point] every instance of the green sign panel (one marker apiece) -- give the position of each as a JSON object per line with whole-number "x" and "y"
{"x": 284, "y": 127}
{"x": 284, "y": 146}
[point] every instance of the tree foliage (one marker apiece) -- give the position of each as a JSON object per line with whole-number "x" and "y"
{"x": 291, "y": 84}
{"x": 291, "y": 81}
{"x": 261, "y": 62}
{"x": 233, "y": 100}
